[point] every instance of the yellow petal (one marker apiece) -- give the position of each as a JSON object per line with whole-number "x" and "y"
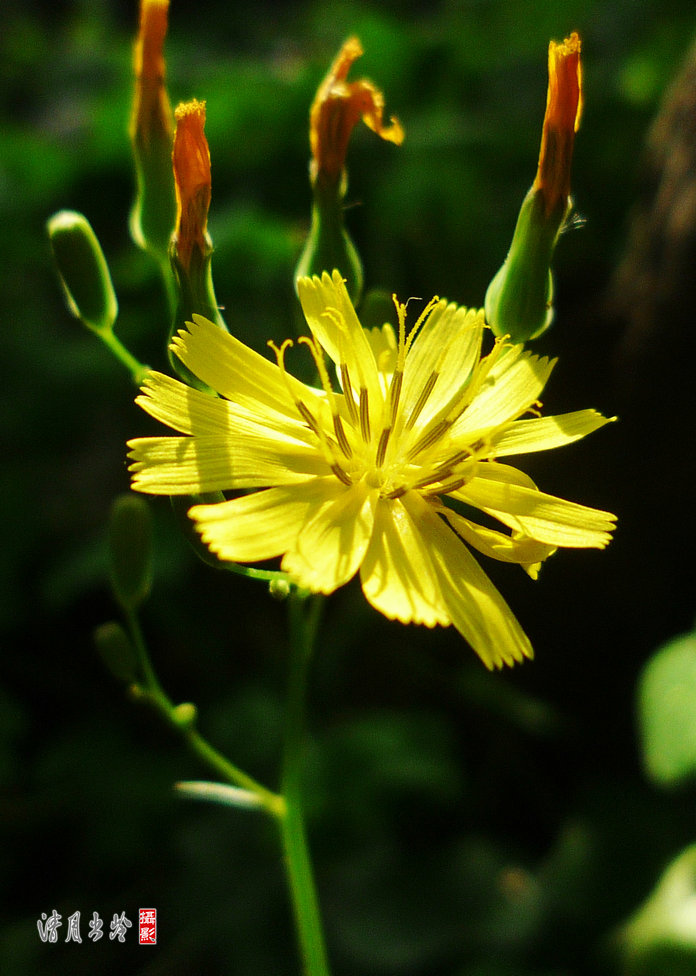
{"x": 497, "y": 490}
{"x": 513, "y": 385}
{"x": 237, "y": 372}
{"x": 476, "y": 608}
{"x": 447, "y": 347}
{"x": 332, "y": 543}
{"x": 251, "y": 458}
{"x": 192, "y": 412}
{"x": 512, "y": 549}
{"x": 397, "y": 575}
{"x": 331, "y": 317}
{"x": 543, "y": 433}
{"x": 262, "y": 525}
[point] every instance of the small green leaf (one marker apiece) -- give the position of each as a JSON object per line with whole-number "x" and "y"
{"x": 667, "y": 712}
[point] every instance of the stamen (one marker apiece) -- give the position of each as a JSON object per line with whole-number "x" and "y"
{"x": 348, "y": 393}
{"x": 397, "y": 492}
{"x": 457, "y": 471}
{"x": 420, "y": 320}
{"x": 318, "y": 357}
{"x": 364, "y": 415}
{"x": 308, "y": 417}
{"x": 429, "y": 438}
{"x": 401, "y": 315}
{"x": 444, "y": 487}
{"x": 382, "y": 446}
{"x": 304, "y": 411}
{"x": 422, "y": 399}
{"x": 332, "y": 396}
{"x": 341, "y": 436}
{"x": 341, "y": 474}
{"x": 394, "y": 394}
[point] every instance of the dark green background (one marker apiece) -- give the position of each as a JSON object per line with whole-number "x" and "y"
{"x": 463, "y": 824}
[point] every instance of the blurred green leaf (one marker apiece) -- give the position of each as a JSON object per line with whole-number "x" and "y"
{"x": 667, "y": 712}
{"x": 660, "y": 939}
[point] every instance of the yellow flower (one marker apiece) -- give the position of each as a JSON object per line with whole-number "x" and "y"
{"x": 338, "y": 107}
{"x": 191, "y": 164}
{"x": 561, "y": 122}
{"x": 367, "y": 477}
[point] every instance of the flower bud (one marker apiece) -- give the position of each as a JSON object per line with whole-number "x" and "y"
{"x": 337, "y": 108}
{"x": 519, "y": 300}
{"x": 191, "y": 249}
{"x": 83, "y": 271}
{"x": 117, "y": 652}
{"x": 191, "y": 164}
{"x": 130, "y": 550}
{"x": 151, "y": 130}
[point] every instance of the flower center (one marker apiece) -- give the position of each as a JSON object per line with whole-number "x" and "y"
{"x": 394, "y": 447}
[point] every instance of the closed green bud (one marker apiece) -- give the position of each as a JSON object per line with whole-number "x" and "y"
{"x": 117, "y": 652}
{"x": 338, "y": 107}
{"x": 83, "y": 271}
{"x": 184, "y": 715}
{"x": 328, "y": 244}
{"x": 191, "y": 249}
{"x": 151, "y": 130}
{"x": 130, "y": 550}
{"x": 519, "y": 300}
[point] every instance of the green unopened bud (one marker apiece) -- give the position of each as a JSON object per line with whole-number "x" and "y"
{"x": 280, "y": 589}
{"x": 130, "y": 550}
{"x": 338, "y": 107}
{"x": 185, "y": 715}
{"x": 329, "y": 246}
{"x": 117, "y": 652}
{"x": 191, "y": 249}
{"x": 519, "y": 300}
{"x": 83, "y": 271}
{"x": 152, "y": 131}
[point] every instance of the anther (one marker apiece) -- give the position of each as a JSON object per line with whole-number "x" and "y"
{"x": 394, "y": 394}
{"x": 364, "y": 415}
{"x": 382, "y": 446}
{"x": 348, "y": 392}
{"x": 341, "y": 474}
{"x": 429, "y": 438}
{"x": 422, "y": 399}
{"x": 341, "y": 436}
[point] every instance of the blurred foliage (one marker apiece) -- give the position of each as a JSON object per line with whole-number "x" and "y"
{"x": 667, "y": 708}
{"x": 464, "y": 824}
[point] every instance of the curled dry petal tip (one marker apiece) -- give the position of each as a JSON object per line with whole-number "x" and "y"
{"x": 152, "y": 114}
{"x": 561, "y": 121}
{"x": 191, "y": 162}
{"x": 338, "y": 107}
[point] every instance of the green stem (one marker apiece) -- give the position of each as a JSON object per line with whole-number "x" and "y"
{"x": 114, "y": 344}
{"x": 169, "y": 283}
{"x": 181, "y": 719}
{"x": 304, "y": 619}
